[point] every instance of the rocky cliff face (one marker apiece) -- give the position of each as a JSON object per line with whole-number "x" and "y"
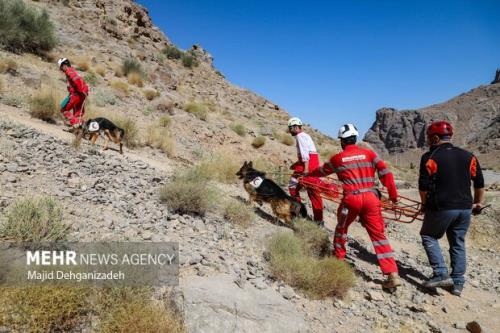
{"x": 475, "y": 116}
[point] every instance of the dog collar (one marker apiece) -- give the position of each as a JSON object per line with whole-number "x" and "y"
{"x": 256, "y": 182}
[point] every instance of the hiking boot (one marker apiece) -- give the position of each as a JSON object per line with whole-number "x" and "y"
{"x": 392, "y": 281}
{"x": 457, "y": 289}
{"x": 438, "y": 281}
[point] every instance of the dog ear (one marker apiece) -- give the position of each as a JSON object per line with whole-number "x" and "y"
{"x": 245, "y": 163}
{"x": 250, "y": 164}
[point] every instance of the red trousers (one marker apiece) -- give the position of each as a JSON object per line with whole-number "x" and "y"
{"x": 294, "y": 188}
{"x": 75, "y": 103}
{"x": 367, "y": 207}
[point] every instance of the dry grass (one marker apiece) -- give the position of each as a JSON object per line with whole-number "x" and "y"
{"x": 327, "y": 152}
{"x": 45, "y": 105}
{"x": 221, "y": 166}
{"x": 238, "y": 213}
{"x": 239, "y": 129}
{"x": 34, "y": 219}
{"x": 294, "y": 259}
{"x": 284, "y": 138}
{"x": 135, "y": 79}
{"x": 120, "y": 86}
{"x": 189, "y": 194}
{"x": 158, "y": 137}
{"x": 8, "y": 65}
{"x": 129, "y": 125}
{"x": 150, "y": 94}
{"x": 165, "y": 121}
{"x": 44, "y": 308}
{"x": 81, "y": 62}
{"x": 258, "y": 141}
{"x": 118, "y": 71}
{"x": 101, "y": 70}
{"x": 143, "y": 316}
{"x": 200, "y": 110}
{"x": 1, "y": 84}
{"x": 65, "y": 309}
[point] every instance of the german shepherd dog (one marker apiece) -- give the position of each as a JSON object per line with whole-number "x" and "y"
{"x": 94, "y": 128}
{"x": 261, "y": 189}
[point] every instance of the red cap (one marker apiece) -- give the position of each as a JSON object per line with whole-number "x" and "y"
{"x": 440, "y": 128}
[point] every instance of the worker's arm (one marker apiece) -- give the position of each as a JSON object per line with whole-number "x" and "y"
{"x": 424, "y": 181}
{"x": 326, "y": 169}
{"x": 386, "y": 177}
{"x": 306, "y": 167}
{"x": 478, "y": 181}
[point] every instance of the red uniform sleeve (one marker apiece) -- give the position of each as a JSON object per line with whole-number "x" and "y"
{"x": 385, "y": 176}
{"x": 326, "y": 169}
{"x": 80, "y": 84}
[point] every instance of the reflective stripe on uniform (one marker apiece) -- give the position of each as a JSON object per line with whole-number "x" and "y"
{"x": 385, "y": 255}
{"x": 383, "y": 172}
{"x": 338, "y": 246}
{"x": 354, "y": 166}
{"x": 380, "y": 242}
{"x": 354, "y": 181}
{"x": 341, "y": 235}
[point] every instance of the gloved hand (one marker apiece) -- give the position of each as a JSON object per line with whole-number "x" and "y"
{"x": 394, "y": 199}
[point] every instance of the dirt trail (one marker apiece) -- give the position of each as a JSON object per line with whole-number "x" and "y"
{"x": 19, "y": 116}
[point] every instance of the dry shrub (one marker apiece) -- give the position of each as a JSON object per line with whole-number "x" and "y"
{"x": 165, "y": 105}
{"x": 200, "y": 110}
{"x": 81, "y": 62}
{"x": 135, "y": 79}
{"x": 120, "y": 86}
{"x": 157, "y": 137}
{"x": 315, "y": 239}
{"x": 118, "y": 71}
{"x": 316, "y": 277}
{"x": 239, "y": 129}
{"x": 138, "y": 315}
{"x": 44, "y": 308}
{"x": 189, "y": 194}
{"x": 259, "y": 141}
{"x": 221, "y": 166}
{"x": 165, "y": 121}
{"x": 285, "y": 138}
{"x": 34, "y": 220}
{"x": 150, "y": 94}
{"x": 131, "y": 65}
{"x": 45, "y": 105}
{"x": 1, "y": 84}
{"x": 8, "y": 65}
{"x": 101, "y": 70}
{"x": 129, "y": 125}
{"x": 238, "y": 213}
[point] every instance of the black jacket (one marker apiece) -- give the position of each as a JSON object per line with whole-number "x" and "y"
{"x": 446, "y": 172}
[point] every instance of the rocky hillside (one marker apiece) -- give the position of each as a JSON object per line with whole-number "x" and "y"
{"x": 206, "y": 113}
{"x": 475, "y": 116}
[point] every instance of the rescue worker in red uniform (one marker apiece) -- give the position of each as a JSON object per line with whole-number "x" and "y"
{"x": 308, "y": 160}
{"x": 355, "y": 167}
{"x": 72, "y": 108}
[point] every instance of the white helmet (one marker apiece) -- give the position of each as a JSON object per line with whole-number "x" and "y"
{"x": 62, "y": 61}
{"x": 294, "y": 122}
{"x": 347, "y": 130}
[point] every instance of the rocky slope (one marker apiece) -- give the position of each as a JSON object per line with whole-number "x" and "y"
{"x": 225, "y": 283}
{"x": 475, "y": 116}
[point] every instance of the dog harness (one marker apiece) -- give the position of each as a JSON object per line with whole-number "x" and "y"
{"x": 93, "y": 126}
{"x": 256, "y": 182}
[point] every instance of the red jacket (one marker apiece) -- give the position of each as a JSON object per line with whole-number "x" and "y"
{"x": 76, "y": 85}
{"x": 355, "y": 168}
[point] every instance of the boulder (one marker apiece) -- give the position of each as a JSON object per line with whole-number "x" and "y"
{"x": 215, "y": 304}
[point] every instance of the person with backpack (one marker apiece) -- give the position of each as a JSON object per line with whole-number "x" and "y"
{"x": 72, "y": 107}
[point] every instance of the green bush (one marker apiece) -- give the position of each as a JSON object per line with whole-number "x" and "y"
{"x": 200, "y": 110}
{"x": 239, "y": 213}
{"x": 45, "y": 106}
{"x": 25, "y": 29}
{"x": 239, "y": 129}
{"x": 189, "y": 194}
{"x": 131, "y": 65}
{"x": 91, "y": 78}
{"x": 316, "y": 277}
{"x": 104, "y": 97}
{"x": 189, "y": 60}
{"x": 34, "y": 219}
{"x": 258, "y": 141}
{"x": 172, "y": 52}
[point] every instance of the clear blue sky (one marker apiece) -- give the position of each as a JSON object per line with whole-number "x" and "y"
{"x": 332, "y": 62}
